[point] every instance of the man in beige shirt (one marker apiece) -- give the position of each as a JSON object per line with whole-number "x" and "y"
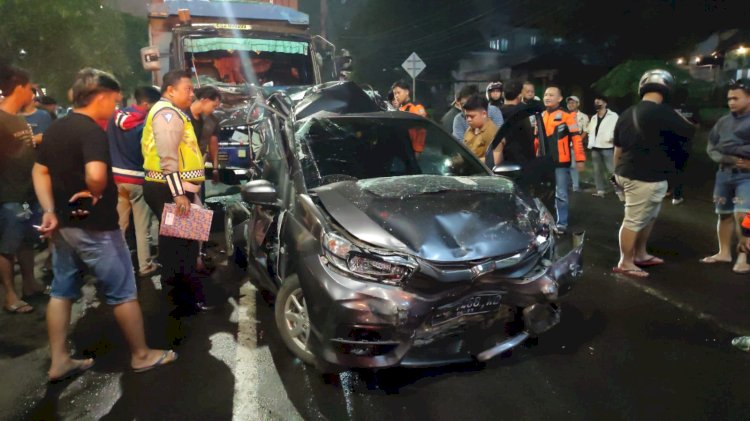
{"x": 481, "y": 129}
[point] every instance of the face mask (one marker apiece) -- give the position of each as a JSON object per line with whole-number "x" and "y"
{"x": 599, "y": 106}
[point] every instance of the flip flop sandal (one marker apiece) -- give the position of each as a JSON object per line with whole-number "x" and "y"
{"x": 631, "y": 273}
{"x": 16, "y": 308}
{"x": 72, "y": 372}
{"x": 160, "y": 362}
{"x": 651, "y": 261}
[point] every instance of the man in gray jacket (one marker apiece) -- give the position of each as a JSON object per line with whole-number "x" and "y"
{"x": 729, "y": 146}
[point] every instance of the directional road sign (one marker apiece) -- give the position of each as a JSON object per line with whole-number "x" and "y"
{"x": 413, "y": 65}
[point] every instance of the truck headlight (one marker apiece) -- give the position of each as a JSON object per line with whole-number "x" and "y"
{"x": 366, "y": 263}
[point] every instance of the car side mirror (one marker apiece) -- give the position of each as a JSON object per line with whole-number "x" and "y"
{"x": 506, "y": 169}
{"x": 260, "y": 192}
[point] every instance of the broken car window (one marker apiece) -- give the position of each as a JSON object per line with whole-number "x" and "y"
{"x": 339, "y": 148}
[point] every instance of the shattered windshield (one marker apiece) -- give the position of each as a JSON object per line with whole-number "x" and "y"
{"x": 237, "y": 61}
{"x": 424, "y": 184}
{"x": 356, "y": 148}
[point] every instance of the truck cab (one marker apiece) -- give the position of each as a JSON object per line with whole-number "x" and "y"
{"x": 244, "y": 50}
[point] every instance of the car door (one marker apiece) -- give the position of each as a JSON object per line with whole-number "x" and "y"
{"x": 262, "y": 228}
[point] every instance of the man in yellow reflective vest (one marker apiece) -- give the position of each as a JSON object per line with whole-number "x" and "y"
{"x": 174, "y": 172}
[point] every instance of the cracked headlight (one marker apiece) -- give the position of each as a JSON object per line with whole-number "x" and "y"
{"x": 368, "y": 264}
{"x": 545, "y": 228}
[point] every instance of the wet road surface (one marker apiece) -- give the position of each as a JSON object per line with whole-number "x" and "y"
{"x": 625, "y": 349}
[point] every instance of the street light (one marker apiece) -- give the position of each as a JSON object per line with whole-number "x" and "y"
{"x": 680, "y": 61}
{"x": 697, "y": 60}
{"x": 742, "y": 50}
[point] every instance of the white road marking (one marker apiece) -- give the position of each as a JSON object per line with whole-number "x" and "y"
{"x": 246, "y": 369}
{"x": 731, "y": 328}
{"x": 259, "y": 393}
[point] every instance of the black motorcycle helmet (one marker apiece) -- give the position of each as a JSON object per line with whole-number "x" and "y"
{"x": 656, "y": 80}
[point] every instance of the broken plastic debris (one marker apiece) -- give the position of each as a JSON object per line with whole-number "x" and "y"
{"x": 742, "y": 342}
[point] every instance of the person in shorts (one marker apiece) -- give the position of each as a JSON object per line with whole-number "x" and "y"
{"x": 648, "y": 136}
{"x": 76, "y": 189}
{"x": 729, "y": 146}
{"x": 17, "y": 200}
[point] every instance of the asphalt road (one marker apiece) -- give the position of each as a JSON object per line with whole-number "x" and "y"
{"x": 625, "y": 349}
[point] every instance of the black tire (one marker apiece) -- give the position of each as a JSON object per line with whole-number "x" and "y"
{"x": 228, "y": 232}
{"x": 291, "y": 287}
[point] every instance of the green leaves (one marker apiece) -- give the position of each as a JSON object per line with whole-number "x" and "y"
{"x": 63, "y": 36}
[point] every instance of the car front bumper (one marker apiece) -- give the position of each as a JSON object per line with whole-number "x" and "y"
{"x": 356, "y": 323}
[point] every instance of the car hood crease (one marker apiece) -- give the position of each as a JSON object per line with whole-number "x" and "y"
{"x": 440, "y": 219}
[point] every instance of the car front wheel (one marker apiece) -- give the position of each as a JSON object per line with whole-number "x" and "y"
{"x": 293, "y": 320}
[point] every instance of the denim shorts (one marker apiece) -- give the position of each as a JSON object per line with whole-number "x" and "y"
{"x": 732, "y": 192}
{"x": 106, "y": 256}
{"x": 16, "y": 228}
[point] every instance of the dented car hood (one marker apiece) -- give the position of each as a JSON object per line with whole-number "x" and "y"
{"x": 438, "y": 218}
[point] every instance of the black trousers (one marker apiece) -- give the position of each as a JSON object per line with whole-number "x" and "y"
{"x": 177, "y": 256}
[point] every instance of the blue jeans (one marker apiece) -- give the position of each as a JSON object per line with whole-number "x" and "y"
{"x": 16, "y": 230}
{"x": 562, "y": 183}
{"x": 104, "y": 253}
{"x": 604, "y": 167}
{"x": 574, "y": 175}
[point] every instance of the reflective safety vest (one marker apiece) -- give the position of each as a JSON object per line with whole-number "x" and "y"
{"x": 418, "y": 135}
{"x": 190, "y": 159}
{"x": 562, "y": 137}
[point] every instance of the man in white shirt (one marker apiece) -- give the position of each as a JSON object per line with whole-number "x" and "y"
{"x": 601, "y": 133}
{"x": 574, "y": 104}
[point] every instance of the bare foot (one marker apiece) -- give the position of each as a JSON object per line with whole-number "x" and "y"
{"x": 717, "y": 258}
{"x": 69, "y": 368}
{"x": 154, "y": 358}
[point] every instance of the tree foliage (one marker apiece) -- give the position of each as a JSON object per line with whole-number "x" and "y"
{"x": 622, "y": 83}
{"x": 59, "y": 37}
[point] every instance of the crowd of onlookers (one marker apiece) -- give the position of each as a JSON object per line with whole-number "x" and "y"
{"x": 74, "y": 184}
{"x": 78, "y": 181}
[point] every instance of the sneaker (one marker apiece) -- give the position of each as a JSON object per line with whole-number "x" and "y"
{"x": 676, "y": 201}
{"x": 598, "y": 194}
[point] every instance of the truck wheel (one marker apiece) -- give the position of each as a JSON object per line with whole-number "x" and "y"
{"x": 293, "y": 320}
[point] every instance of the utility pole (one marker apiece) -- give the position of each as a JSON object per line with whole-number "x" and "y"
{"x": 323, "y": 18}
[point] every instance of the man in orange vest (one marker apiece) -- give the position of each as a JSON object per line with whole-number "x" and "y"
{"x": 402, "y": 95}
{"x": 561, "y": 142}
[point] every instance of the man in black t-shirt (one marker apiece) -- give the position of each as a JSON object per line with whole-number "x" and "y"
{"x": 206, "y": 125}
{"x": 74, "y": 183}
{"x": 648, "y": 138}
{"x": 516, "y": 134}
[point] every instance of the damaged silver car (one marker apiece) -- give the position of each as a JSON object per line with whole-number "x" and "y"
{"x": 386, "y": 242}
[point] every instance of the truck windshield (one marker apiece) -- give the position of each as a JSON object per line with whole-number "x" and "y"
{"x": 265, "y": 62}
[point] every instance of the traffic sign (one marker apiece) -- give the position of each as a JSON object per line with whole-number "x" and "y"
{"x": 413, "y": 65}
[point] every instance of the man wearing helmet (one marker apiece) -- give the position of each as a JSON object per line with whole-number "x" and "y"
{"x": 494, "y": 94}
{"x": 647, "y": 137}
